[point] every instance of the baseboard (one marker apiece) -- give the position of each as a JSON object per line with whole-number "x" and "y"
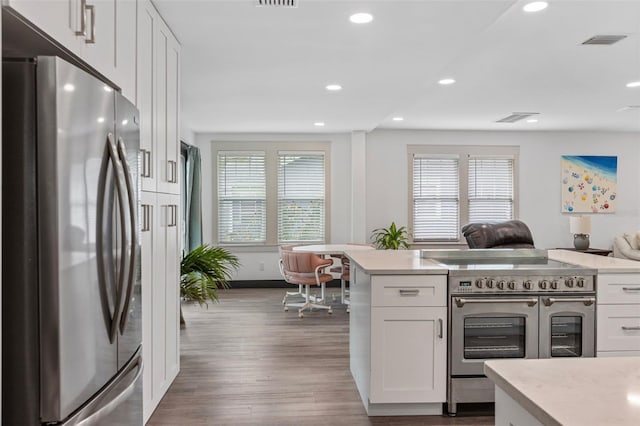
{"x": 272, "y": 284}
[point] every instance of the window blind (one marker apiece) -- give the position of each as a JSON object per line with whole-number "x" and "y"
{"x": 301, "y": 197}
{"x": 241, "y": 197}
{"x": 490, "y": 189}
{"x": 435, "y": 198}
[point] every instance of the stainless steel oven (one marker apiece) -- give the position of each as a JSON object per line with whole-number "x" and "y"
{"x": 512, "y": 304}
{"x": 489, "y": 328}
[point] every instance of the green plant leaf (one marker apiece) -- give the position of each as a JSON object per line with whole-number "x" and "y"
{"x": 204, "y": 270}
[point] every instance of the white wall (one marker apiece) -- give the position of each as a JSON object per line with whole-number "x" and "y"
{"x": 540, "y": 196}
{"x": 253, "y": 260}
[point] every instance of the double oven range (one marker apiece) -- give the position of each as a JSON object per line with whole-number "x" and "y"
{"x": 513, "y": 304}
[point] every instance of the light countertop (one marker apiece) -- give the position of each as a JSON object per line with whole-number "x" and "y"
{"x": 387, "y": 262}
{"x": 604, "y": 264}
{"x": 573, "y": 391}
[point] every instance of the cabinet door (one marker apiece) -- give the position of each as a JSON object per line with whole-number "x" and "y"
{"x": 146, "y": 88}
{"x": 59, "y": 19}
{"x": 99, "y": 46}
{"x": 126, "y": 16}
{"x": 408, "y": 354}
{"x": 169, "y": 205}
{"x": 148, "y": 219}
{"x": 167, "y": 110}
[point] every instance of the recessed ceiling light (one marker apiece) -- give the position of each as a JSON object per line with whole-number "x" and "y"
{"x": 100, "y": 119}
{"x": 125, "y": 122}
{"x": 535, "y": 6}
{"x": 333, "y": 87}
{"x": 361, "y": 18}
{"x": 532, "y": 120}
{"x": 318, "y": 124}
{"x": 108, "y": 89}
{"x": 397, "y": 118}
{"x": 633, "y": 84}
{"x": 69, "y": 87}
{"x": 446, "y": 81}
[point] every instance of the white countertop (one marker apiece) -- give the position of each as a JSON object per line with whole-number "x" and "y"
{"x": 604, "y": 264}
{"x": 573, "y": 391}
{"x": 387, "y": 262}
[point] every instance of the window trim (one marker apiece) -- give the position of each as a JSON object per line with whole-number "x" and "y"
{"x": 271, "y": 150}
{"x": 462, "y": 152}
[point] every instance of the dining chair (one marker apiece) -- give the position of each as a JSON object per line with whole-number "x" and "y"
{"x": 306, "y": 269}
{"x": 287, "y": 294}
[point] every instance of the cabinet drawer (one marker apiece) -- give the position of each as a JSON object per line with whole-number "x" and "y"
{"x": 618, "y": 288}
{"x": 618, "y": 328}
{"x": 409, "y": 290}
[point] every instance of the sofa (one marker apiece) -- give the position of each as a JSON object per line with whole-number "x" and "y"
{"x": 508, "y": 234}
{"x": 627, "y": 246}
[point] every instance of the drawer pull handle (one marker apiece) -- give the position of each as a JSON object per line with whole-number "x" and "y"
{"x": 626, "y": 328}
{"x": 631, "y": 288}
{"x": 441, "y": 332}
{"x": 411, "y": 292}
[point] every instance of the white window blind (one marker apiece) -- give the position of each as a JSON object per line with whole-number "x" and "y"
{"x": 490, "y": 189}
{"x": 301, "y": 197}
{"x": 435, "y": 198}
{"x": 241, "y": 197}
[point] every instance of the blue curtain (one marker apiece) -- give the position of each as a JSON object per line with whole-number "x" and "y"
{"x": 192, "y": 198}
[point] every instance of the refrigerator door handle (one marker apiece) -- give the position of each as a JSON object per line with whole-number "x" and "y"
{"x": 122, "y": 153}
{"x": 120, "y": 291}
{"x": 101, "y": 406}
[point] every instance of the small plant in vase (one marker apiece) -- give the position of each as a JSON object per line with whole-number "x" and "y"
{"x": 391, "y": 238}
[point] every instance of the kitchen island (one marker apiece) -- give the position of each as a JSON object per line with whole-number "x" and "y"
{"x": 398, "y": 332}
{"x": 568, "y": 392}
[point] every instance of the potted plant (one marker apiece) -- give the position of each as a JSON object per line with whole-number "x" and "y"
{"x": 391, "y": 238}
{"x": 203, "y": 271}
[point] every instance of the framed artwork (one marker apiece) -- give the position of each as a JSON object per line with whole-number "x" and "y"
{"x": 589, "y": 183}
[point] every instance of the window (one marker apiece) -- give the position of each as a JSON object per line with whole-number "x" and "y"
{"x": 271, "y": 192}
{"x": 241, "y": 197}
{"x": 440, "y": 174}
{"x": 300, "y": 197}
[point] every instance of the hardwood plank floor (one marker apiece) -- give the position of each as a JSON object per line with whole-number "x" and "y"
{"x": 247, "y": 362}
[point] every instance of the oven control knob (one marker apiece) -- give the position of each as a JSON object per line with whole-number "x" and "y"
{"x": 491, "y": 283}
{"x": 569, "y": 282}
{"x": 512, "y": 285}
{"x": 527, "y": 284}
{"x": 480, "y": 282}
{"x": 580, "y": 282}
{"x": 543, "y": 284}
{"x": 501, "y": 284}
{"x": 554, "y": 284}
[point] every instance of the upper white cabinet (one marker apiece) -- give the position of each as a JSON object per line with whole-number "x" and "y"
{"x": 158, "y": 101}
{"x": 100, "y": 32}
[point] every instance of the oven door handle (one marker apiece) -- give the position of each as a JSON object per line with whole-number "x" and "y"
{"x": 588, "y": 301}
{"x": 461, "y": 301}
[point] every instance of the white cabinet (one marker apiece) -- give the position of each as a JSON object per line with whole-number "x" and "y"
{"x": 618, "y": 315}
{"x": 101, "y": 33}
{"x": 398, "y": 342}
{"x": 158, "y": 100}
{"x": 160, "y": 285}
{"x": 408, "y": 354}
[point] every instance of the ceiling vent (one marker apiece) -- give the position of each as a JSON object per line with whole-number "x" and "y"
{"x": 629, "y": 108}
{"x": 604, "y": 40}
{"x": 276, "y": 3}
{"x": 516, "y": 116}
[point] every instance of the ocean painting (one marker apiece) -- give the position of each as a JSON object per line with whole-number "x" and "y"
{"x": 589, "y": 183}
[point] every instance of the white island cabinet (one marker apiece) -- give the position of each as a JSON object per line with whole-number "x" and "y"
{"x": 398, "y": 332}
{"x": 618, "y": 301}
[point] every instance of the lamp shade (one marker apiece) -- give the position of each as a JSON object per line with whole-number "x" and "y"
{"x": 580, "y": 224}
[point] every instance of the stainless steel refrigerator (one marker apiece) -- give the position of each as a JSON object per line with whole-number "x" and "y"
{"x": 71, "y": 297}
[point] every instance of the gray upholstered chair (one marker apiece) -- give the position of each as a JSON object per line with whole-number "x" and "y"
{"x": 509, "y": 234}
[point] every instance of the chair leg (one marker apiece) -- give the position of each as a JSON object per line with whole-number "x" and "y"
{"x": 309, "y": 304}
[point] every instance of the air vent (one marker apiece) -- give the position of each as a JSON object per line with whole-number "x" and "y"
{"x": 604, "y": 40}
{"x": 276, "y": 3}
{"x": 516, "y": 116}
{"x": 629, "y": 108}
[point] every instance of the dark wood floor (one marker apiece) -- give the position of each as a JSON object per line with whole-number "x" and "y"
{"x": 247, "y": 362}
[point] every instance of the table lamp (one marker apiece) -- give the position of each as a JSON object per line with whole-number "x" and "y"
{"x": 580, "y": 227}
